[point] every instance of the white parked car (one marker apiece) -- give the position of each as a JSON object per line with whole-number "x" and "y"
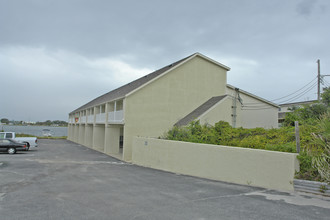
{"x": 29, "y": 141}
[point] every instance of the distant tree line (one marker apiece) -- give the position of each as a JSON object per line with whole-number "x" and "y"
{"x": 44, "y": 123}
{"x": 53, "y": 123}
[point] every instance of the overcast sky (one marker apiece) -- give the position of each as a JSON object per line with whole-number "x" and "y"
{"x": 56, "y": 55}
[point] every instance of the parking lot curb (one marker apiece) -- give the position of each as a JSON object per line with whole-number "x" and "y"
{"x": 314, "y": 187}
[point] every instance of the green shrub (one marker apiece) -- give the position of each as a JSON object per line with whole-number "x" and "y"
{"x": 288, "y": 147}
{"x": 307, "y": 171}
{"x": 255, "y": 141}
{"x": 282, "y": 139}
{"x": 319, "y": 149}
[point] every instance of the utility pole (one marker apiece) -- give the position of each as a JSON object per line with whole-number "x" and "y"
{"x": 318, "y": 81}
{"x": 296, "y": 125}
{"x": 234, "y": 108}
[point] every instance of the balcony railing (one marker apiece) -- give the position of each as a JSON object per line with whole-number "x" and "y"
{"x": 116, "y": 117}
{"x": 100, "y": 118}
{"x": 90, "y": 119}
{"x": 83, "y": 119}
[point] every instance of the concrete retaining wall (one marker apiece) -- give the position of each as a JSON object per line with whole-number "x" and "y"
{"x": 268, "y": 169}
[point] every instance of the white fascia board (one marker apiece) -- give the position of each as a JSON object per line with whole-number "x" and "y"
{"x": 213, "y": 61}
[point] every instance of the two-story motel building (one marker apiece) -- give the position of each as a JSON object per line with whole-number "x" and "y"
{"x": 194, "y": 88}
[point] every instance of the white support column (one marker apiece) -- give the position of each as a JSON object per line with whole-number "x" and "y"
{"x": 94, "y": 116}
{"x": 115, "y": 109}
{"x": 106, "y": 113}
{"x": 124, "y": 106}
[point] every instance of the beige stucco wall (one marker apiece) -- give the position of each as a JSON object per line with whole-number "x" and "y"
{"x": 260, "y": 114}
{"x": 89, "y": 130}
{"x": 268, "y": 169}
{"x": 70, "y": 132}
{"x": 112, "y": 134}
{"x": 81, "y": 134}
{"x": 222, "y": 111}
{"x": 156, "y": 107}
{"x": 76, "y": 133}
{"x": 98, "y": 137}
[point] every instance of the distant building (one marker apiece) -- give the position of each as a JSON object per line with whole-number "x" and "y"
{"x": 29, "y": 122}
{"x": 194, "y": 88}
{"x": 289, "y": 107}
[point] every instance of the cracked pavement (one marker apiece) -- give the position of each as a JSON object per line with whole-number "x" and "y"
{"x": 64, "y": 180}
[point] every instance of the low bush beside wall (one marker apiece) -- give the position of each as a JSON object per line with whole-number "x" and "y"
{"x": 273, "y": 170}
{"x": 282, "y": 139}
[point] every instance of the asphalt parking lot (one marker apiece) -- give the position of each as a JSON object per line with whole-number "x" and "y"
{"x": 64, "y": 180}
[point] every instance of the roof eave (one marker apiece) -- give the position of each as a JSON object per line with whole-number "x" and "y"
{"x": 254, "y": 96}
{"x": 212, "y": 61}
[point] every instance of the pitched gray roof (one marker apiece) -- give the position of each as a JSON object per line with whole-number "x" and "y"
{"x": 125, "y": 89}
{"x": 200, "y": 110}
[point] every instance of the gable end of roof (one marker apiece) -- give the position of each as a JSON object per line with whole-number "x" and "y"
{"x": 135, "y": 85}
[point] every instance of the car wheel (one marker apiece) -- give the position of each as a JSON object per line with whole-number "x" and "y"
{"x": 11, "y": 150}
{"x": 27, "y": 146}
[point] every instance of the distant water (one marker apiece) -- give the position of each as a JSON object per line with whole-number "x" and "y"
{"x": 35, "y": 130}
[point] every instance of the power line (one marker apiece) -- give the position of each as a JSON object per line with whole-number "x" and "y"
{"x": 254, "y": 103}
{"x": 295, "y": 91}
{"x": 264, "y": 106}
{"x": 324, "y": 82}
{"x": 301, "y": 94}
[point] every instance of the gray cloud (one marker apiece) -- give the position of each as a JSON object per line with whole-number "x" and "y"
{"x": 80, "y": 45}
{"x": 306, "y": 7}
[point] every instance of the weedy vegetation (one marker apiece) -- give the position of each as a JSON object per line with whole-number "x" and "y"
{"x": 314, "y": 127}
